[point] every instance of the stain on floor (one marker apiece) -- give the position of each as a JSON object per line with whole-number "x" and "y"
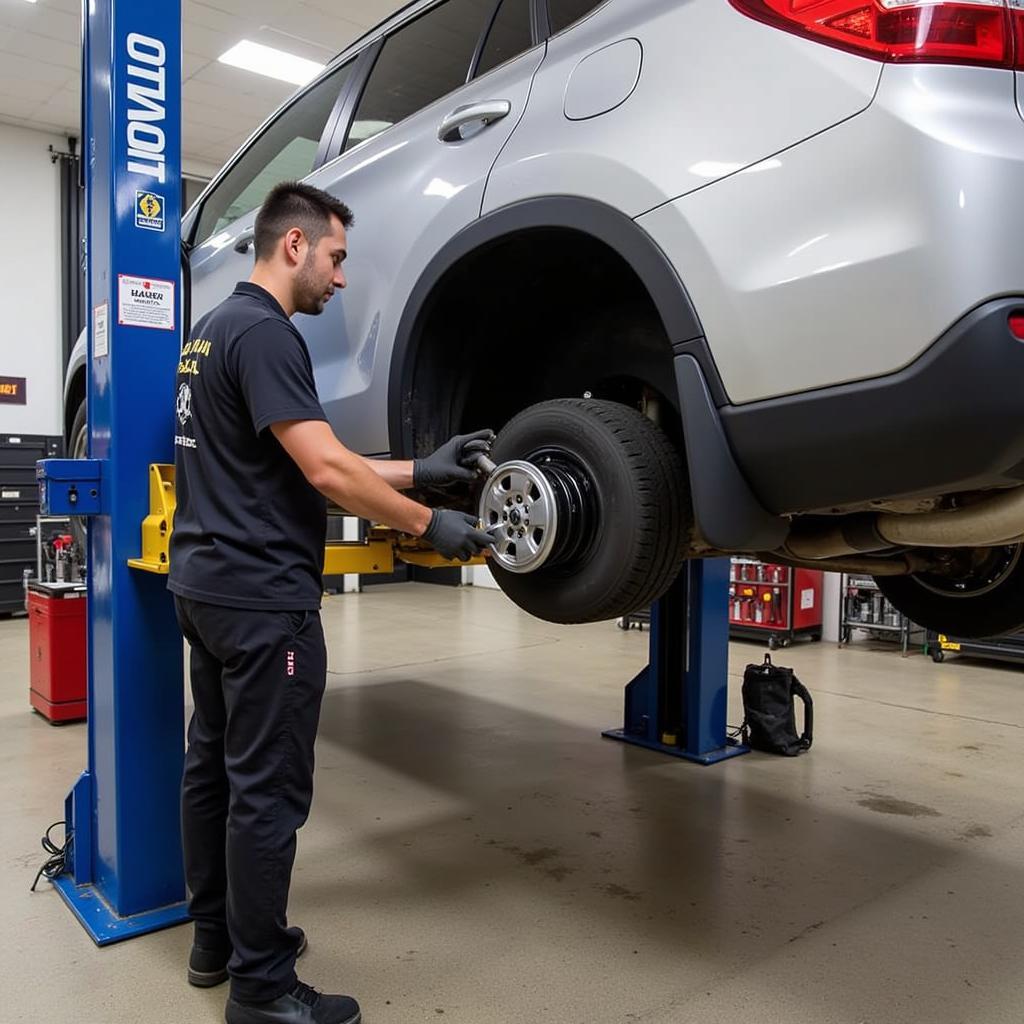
{"x": 904, "y": 808}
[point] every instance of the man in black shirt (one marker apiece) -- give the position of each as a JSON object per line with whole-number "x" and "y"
{"x": 255, "y": 460}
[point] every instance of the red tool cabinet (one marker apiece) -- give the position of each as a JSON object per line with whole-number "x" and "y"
{"x": 774, "y": 602}
{"x": 56, "y": 631}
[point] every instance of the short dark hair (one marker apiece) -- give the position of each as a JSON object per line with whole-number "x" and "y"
{"x": 292, "y": 204}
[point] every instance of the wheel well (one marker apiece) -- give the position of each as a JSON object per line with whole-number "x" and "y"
{"x": 543, "y": 313}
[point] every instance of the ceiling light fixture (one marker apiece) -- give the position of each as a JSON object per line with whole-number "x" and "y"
{"x": 265, "y": 60}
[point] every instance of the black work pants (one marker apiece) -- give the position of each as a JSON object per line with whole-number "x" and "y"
{"x": 258, "y": 678}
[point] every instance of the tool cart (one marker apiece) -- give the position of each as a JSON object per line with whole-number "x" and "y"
{"x": 864, "y": 607}
{"x": 774, "y": 602}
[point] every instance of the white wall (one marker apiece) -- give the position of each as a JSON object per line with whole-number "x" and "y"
{"x": 478, "y": 576}
{"x": 30, "y": 324}
{"x": 831, "y": 597}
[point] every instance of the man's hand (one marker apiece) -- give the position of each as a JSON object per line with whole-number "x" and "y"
{"x": 457, "y": 534}
{"x": 454, "y": 461}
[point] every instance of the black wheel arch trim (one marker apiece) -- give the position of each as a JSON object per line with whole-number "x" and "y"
{"x": 573, "y": 213}
{"x": 727, "y": 513}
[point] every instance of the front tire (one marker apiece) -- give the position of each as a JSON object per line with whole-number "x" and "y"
{"x": 980, "y": 595}
{"x": 625, "y": 541}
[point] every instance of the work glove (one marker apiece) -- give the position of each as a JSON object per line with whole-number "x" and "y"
{"x": 456, "y": 534}
{"x": 454, "y": 461}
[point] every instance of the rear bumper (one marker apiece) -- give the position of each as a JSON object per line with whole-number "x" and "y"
{"x": 953, "y": 420}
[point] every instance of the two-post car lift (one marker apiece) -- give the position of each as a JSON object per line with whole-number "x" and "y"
{"x": 123, "y": 873}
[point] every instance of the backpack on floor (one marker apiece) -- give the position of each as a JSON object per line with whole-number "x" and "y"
{"x": 769, "y": 703}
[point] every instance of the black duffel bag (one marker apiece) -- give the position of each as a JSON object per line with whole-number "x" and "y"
{"x": 769, "y": 703}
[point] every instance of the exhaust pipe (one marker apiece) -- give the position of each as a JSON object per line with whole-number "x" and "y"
{"x": 988, "y": 523}
{"x": 863, "y": 565}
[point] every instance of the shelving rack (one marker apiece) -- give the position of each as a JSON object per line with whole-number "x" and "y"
{"x": 863, "y": 606}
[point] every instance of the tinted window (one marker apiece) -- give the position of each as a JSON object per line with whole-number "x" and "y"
{"x": 420, "y": 63}
{"x": 563, "y": 13}
{"x": 510, "y": 35}
{"x": 284, "y": 152}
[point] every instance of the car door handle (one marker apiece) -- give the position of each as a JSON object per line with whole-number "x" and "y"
{"x": 482, "y": 114}
{"x": 243, "y": 241}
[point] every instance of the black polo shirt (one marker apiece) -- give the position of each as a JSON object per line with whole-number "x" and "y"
{"x": 249, "y": 529}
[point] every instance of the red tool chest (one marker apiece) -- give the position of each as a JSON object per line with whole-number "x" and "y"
{"x": 56, "y": 631}
{"x": 774, "y": 602}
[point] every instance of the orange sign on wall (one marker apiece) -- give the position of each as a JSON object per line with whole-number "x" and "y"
{"x": 12, "y": 390}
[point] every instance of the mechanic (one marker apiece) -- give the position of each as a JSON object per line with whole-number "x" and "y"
{"x": 255, "y": 458}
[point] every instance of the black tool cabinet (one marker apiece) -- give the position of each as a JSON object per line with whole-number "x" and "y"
{"x": 19, "y": 506}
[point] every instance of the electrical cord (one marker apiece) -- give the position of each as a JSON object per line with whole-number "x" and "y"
{"x": 54, "y": 864}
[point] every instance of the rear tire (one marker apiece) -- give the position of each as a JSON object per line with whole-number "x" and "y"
{"x": 631, "y": 546}
{"x": 78, "y": 448}
{"x": 986, "y": 599}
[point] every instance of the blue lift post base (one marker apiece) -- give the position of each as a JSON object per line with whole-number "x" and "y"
{"x": 678, "y": 704}
{"x": 733, "y": 748}
{"x": 103, "y": 924}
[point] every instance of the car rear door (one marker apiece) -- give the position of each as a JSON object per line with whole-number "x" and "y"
{"x": 288, "y": 147}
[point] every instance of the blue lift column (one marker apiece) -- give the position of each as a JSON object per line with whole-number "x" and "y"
{"x": 678, "y": 704}
{"x": 125, "y": 872}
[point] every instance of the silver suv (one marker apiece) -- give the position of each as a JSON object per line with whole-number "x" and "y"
{"x": 728, "y": 275}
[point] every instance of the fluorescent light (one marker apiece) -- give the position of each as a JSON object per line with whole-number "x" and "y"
{"x": 265, "y": 60}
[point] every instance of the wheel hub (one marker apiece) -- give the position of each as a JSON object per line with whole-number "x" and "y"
{"x": 519, "y": 508}
{"x": 540, "y": 510}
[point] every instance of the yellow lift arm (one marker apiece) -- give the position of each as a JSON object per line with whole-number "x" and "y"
{"x": 376, "y": 554}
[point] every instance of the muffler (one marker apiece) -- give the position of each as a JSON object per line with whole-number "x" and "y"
{"x": 987, "y": 523}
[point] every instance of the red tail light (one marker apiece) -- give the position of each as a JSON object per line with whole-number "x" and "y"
{"x": 971, "y": 32}
{"x": 1017, "y": 325}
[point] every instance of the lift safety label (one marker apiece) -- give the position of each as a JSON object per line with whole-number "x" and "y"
{"x": 145, "y": 302}
{"x": 100, "y": 335}
{"x": 149, "y": 211}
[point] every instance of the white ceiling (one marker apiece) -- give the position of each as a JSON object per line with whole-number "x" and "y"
{"x": 40, "y": 58}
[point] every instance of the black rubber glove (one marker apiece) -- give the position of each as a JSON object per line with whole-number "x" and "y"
{"x": 454, "y": 461}
{"x": 456, "y": 534}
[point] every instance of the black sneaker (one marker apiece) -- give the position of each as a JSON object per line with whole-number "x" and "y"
{"x": 303, "y": 1005}
{"x": 209, "y": 967}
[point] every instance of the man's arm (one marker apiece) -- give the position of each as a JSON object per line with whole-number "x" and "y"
{"x": 454, "y": 462}
{"x": 395, "y": 473}
{"x": 352, "y": 482}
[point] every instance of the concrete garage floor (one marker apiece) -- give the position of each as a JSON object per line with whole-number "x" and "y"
{"x": 477, "y": 854}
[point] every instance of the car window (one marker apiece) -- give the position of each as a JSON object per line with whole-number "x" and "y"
{"x": 284, "y": 152}
{"x": 418, "y": 64}
{"x": 562, "y": 13}
{"x": 510, "y": 35}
